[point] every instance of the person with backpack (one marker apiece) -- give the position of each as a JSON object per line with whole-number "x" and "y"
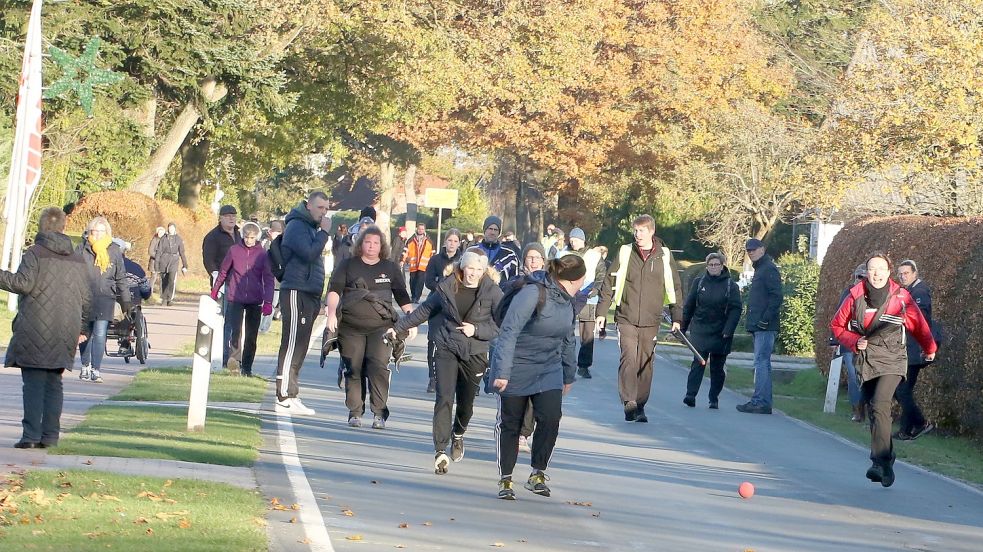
{"x": 643, "y": 280}
{"x": 436, "y": 271}
{"x": 359, "y": 309}
{"x": 461, "y": 310}
{"x": 249, "y": 292}
{"x": 499, "y": 256}
{"x": 711, "y": 314}
{"x": 535, "y": 359}
{"x": 306, "y": 233}
{"x": 873, "y": 322}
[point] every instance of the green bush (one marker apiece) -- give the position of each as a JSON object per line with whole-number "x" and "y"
{"x": 800, "y": 276}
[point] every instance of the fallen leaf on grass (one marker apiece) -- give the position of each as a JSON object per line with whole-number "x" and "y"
{"x": 168, "y": 483}
{"x": 354, "y": 537}
{"x": 168, "y": 515}
{"x": 152, "y": 496}
{"x": 94, "y": 534}
{"x": 38, "y": 532}
{"x": 65, "y": 484}
{"x": 150, "y": 532}
{"x": 585, "y": 504}
{"x": 141, "y": 521}
{"x": 184, "y": 523}
{"x": 348, "y": 513}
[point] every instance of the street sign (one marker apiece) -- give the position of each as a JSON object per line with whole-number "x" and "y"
{"x": 440, "y": 198}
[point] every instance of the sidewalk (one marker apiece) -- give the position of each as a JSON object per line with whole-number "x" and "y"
{"x": 170, "y": 328}
{"x": 678, "y": 352}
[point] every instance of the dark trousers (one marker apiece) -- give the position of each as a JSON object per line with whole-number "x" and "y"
{"x": 43, "y": 400}
{"x": 877, "y": 394}
{"x": 416, "y": 285}
{"x": 234, "y": 314}
{"x": 585, "y": 358}
{"x": 168, "y": 281}
{"x": 717, "y": 375}
{"x": 528, "y": 422}
{"x": 547, "y": 411}
{"x": 911, "y": 414}
{"x": 299, "y": 311}
{"x": 460, "y": 378}
{"x": 635, "y": 370}
{"x": 431, "y": 358}
{"x": 365, "y": 355}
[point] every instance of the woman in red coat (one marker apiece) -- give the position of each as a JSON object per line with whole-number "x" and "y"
{"x": 874, "y": 321}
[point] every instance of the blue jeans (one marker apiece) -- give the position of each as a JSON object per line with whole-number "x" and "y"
{"x": 93, "y": 349}
{"x": 764, "y": 344}
{"x": 852, "y": 384}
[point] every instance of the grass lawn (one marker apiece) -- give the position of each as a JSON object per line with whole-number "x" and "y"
{"x": 267, "y": 343}
{"x": 229, "y": 438}
{"x": 86, "y": 510}
{"x": 174, "y": 384}
{"x": 802, "y": 397}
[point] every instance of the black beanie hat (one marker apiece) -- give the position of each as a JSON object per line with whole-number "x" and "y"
{"x": 367, "y": 212}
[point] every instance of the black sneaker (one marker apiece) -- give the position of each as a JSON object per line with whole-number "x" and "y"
{"x": 457, "y": 448}
{"x": 918, "y": 432}
{"x": 876, "y": 473}
{"x": 537, "y": 483}
{"x": 505, "y": 491}
{"x": 440, "y": 463}
{"x": 749, "y": 408}
{"x": 714, "y": 405}
{"x": 584, "y": 372}
{"x": 887, "y": 477}
{"x": 900, "y": 435}
{"x": 630, "y": 411}
{"x": 640, "y": 416}
{"x": 689, "y": 401}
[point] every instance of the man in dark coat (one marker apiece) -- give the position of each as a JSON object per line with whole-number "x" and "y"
{"x": 217, "y": 242}
{"x": 913, "y": 422}
{"x": 51, "y": 321}
{"x": 763, "y": 306}
{"x": 170, "y": 250}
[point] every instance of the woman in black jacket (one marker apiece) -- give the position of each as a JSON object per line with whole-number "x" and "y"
{"x": 711, "y": 314}
{"x": 436, "y": 270}
{"x": 462, "y": 326}
{"x": 107, "y": 275}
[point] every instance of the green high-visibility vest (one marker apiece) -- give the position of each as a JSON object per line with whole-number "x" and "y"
{"x": 624, "y": 255}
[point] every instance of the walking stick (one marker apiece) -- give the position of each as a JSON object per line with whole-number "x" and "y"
{"x": 685, "y": 341}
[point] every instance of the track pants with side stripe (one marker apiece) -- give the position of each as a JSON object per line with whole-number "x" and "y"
{"x": 299, "y": 311}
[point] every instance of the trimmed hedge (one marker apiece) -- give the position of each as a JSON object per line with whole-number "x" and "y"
{"x": 800, "y": 279}
{"x": 134, "y": 217}
{"x": 948, "y": 252}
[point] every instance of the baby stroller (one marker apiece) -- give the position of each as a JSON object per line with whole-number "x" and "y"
{"x": 130, "y": 331}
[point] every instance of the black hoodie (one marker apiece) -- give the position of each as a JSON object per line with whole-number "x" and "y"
{"x": 54, "y": 305}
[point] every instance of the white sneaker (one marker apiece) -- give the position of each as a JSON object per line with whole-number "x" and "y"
{"x": 298, "y": 407}
{"x": 95, "y": 376}
{"x": 378, "y": 423}
{"x": 283, "y": 407}
{"x": 355, "y": 421}
{"x": 85, "y": 374}
{"x": 440, "y": 463}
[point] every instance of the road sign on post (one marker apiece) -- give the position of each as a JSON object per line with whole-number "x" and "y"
{"x": 210, "y": 323}
{"x": 440, "y": 199}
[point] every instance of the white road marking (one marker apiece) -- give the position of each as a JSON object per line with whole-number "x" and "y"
{"x": 310, "y": 514}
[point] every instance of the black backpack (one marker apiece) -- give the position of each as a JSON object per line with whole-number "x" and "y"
{"x": 276, "y": 258}
{"x": 511, "y": 290}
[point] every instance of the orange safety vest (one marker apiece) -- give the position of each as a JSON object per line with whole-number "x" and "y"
{"x": 419, "y": 257}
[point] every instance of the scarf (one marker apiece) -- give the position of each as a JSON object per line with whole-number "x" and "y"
{"x": 101, "y": 249}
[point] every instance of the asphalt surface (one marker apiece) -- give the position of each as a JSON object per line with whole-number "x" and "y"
{"x": 670, "y": 484}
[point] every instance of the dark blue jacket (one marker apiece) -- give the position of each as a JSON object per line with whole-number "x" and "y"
{"x": 712, "y": 311}
{"x": 765, "y": 299}
{"x": 922, "y": 295}
{"x": 536, "y": 353}
{"x": 303, "y": 244}
{"x": 107, "y": 286}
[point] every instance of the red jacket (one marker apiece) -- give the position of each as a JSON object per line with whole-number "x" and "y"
{"x": 885, "y": 353}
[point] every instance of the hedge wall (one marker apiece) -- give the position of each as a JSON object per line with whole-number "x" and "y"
{"x": 134, "y": 217}
{"x": 949, "y": 253}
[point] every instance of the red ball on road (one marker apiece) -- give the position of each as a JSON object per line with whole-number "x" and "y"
{"x": 746, "y": 490}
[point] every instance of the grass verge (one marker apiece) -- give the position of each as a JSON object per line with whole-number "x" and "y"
{"x": 267, "y": 343}
{"x": 802, "y": 396}
{"x": 86, "y": 510}
{"x": 174, "y": 384}
{"x": 229, "y": 438}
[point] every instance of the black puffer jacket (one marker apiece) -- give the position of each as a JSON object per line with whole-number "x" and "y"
{"x": 437, "y": 267}
{"x": 107, "y": 286}
{"x": 53, "y": 285}
{"x": 765, "y": 298}
{"x": 442, "y": 305}
{"x": 214, "y": 247}
{"x": 712, "y": 311}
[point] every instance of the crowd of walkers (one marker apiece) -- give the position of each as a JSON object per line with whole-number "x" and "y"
{"x": 523, "y": 319}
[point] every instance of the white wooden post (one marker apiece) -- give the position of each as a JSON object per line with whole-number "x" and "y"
{"x": 209, "y": 325}
{"x": 833, "y": 383}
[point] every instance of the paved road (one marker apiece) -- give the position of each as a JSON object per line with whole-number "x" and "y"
{"x": 667, "y": 485}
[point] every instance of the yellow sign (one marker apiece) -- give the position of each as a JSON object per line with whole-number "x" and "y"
{"x": 440, "y": 198}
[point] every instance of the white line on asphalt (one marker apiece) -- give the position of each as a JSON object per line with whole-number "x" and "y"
{"x": 310, "y": 514}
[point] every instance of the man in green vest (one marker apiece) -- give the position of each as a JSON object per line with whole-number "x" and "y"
{"x": 641, "y": 282}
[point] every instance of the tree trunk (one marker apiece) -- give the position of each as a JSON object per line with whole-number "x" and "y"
{"x": 149, "y": 180}
{"x": 409, "y": 188}
{"x": 387, "y": 177}
{"x": 194, "y": 156}
{"x": 503, "y": 189}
